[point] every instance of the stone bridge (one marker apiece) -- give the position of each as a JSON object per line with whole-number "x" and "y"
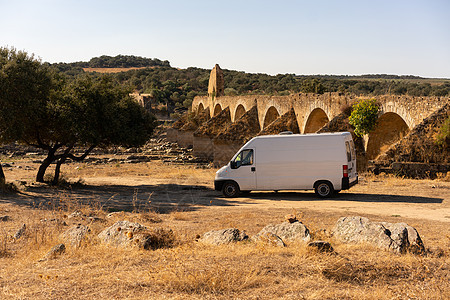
{"x": 399, "y": 114}
{"x": 313, "y": 110}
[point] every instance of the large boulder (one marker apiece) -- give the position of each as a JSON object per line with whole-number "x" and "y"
{"x": 270, "y": 239}
{"x": 54, "y": 252}
{"x": 223, "y": 236}
{"x": 288, "y": 232}
{"x": 396, "y": 237}
{"x": 128, "y": 234}
{"x": 75, "y": 235}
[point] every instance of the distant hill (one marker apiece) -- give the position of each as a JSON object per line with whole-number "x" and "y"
{"x": 119, "y": 61}
{"x": 112, "y": 70}
{"x": 177, "y": 87}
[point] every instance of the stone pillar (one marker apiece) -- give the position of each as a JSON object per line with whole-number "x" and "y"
{"x": 216, "y": 83}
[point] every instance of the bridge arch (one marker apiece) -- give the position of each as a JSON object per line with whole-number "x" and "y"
{"x": 200, "y": 108}
{"x": 271, "y": 115}
{"x": 390, "y": 128}
{"x": 400, "y": 110}
{"x": 316, "y": 120}
{"x": 240, "y": 111}
{"x": 217, "y": 109}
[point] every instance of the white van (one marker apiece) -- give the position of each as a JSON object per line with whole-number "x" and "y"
{"x": 325, "y": 162}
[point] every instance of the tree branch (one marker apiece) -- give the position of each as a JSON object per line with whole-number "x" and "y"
{"x": 40, "y": 144}
{"x": 80, "y": 158}
{"x": 66, "y": 152}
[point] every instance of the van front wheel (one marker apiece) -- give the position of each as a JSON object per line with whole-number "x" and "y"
{"x": 324, "y": 189}
{"x": 230, "y": 189}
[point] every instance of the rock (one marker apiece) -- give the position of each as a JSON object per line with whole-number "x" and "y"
{"x": 113, "y": 214}
{"x": 55, "y": 221}
{"x": 288, "y": 231}
{"x": 322, "y": 246}
{"x": 54, "y": 252}
{"x": 75, "y": 235}
{"x": 223, "y": 236}
{"x": 406, "y": 236}
{"x": 20, "y": 232}
{"x": 290, "y": 218}
{"x": 126, "y": 234}
{"x": 95, "y": 219}
{"x": 140, "y": 158}
{"x": 5, "y": 218}
{"x": 76, "y": 214}
{"x": 269, "y": 238}
{"x": 80, "y": 216}
{"x": 113, "y": 160}
{"x": 396, "y": 237}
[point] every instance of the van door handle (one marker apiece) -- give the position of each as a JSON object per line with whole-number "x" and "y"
{"x": 253, "y": 169}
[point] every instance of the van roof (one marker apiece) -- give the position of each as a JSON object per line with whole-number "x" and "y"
{"x": 344, "y": 133}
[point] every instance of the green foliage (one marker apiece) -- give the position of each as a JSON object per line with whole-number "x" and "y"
{"x": 443, "y": 138}
{"x": 364, "y": 116}
{"x": 42, "y": 109}
{"x": 26, "y": 86}
{"x": 119, "y": 61}
{"x": 100, "y": 112}
{"x": 230, "y": 92}
{"x": 163, "y": 81}
{"x": 312, "y": 86}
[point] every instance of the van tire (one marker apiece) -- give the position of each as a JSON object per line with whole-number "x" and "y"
{"x": 230, "y": 189}
{"x": 323, "y": 189}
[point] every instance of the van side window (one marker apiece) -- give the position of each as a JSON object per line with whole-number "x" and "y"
{"x": 349, "y": 152}
{"x": 244, "y": 158}
{"x": 352, "y": 148}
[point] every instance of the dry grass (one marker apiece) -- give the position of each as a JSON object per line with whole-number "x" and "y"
{"x": 193, "y": 270}
{"x": 190, "y": 270}
{"x": 153, "y": 169}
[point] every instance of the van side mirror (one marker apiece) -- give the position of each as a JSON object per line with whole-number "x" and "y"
{"x": 233, "y": 164}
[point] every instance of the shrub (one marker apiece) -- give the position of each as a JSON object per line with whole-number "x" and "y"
{"x": 443, "y": 138}
{"x": 364, "y": 116}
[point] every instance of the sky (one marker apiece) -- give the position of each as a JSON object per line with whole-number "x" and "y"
{"x": 341, "y": 37}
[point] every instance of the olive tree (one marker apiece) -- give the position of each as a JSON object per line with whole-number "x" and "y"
{"x": 42, "y": 110}
{"x": 25, "y": 86}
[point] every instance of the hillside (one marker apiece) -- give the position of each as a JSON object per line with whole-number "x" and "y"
{"x": 176, "y": 88}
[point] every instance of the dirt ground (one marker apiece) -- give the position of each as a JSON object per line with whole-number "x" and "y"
{"x": 171, "y": 187}
{"x": 181, "y": 197}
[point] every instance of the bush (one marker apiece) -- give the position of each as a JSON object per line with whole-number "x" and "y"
{"x": 443, "y": 138}
{"x": 364, "y": 116}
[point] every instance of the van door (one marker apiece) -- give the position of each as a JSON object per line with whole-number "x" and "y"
{"x": 244, "y": 171}
{"x": 351, "y": 160}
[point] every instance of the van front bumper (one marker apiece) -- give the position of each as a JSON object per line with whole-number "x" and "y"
{"x": 346, "y": 184}
{"x": 218, "y": 184}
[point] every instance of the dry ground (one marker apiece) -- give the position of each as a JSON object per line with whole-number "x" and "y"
{"x": 182, "y": 198}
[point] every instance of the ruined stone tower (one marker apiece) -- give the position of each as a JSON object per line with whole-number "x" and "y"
{"x": 216, "y": 82}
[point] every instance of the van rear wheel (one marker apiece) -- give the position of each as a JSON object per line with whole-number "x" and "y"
{"x": 324, "y": 189}
{"x": 230, "y": 189}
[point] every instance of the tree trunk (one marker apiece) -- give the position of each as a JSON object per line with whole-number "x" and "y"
{"x": 2, "y": 176}
{"x": 58, "y": 170}
{"x": 47, "y": 161}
